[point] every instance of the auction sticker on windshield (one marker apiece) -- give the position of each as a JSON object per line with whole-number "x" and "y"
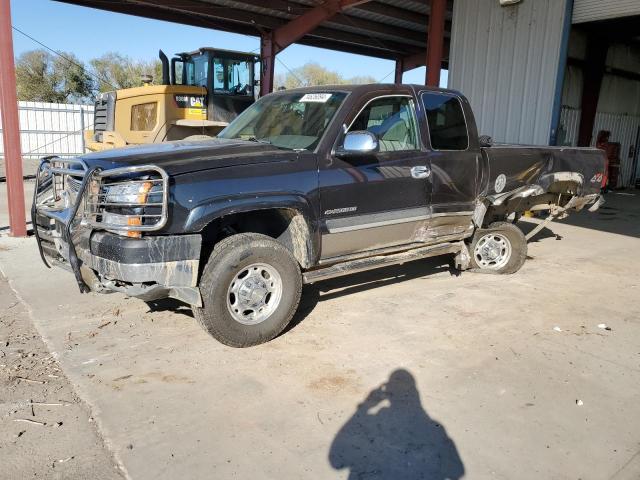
{"x": 316, "y": 97}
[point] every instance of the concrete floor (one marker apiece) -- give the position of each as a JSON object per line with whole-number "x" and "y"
{"x": 407, "y": 372}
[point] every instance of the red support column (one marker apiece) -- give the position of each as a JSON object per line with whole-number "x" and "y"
{"x": 11, "y": 126}
{"x": 274, "y": 42}
{"x": 399, "y": 70}
{"x": 435, "y": 41}
{"x": 593, "y": 72}
{"x": 267, "y": 63}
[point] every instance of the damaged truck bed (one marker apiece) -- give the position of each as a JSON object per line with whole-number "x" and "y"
{"x": 305, "y": 185}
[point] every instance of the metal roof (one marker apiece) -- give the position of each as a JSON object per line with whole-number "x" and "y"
{"x": 382, "y": 28}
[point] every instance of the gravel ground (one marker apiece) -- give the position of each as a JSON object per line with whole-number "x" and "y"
{"x": 46, "y": 431}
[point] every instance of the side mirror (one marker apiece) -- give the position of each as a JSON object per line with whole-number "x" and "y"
{"x": 361, "y": 142}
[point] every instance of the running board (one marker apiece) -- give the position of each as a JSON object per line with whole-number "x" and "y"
{"x": 370, "y": 263}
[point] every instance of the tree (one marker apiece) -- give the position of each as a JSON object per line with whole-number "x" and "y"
{"x": 115, "y": 71}
{"x": 312, "y": 73}
{"x": 43, "y": 77}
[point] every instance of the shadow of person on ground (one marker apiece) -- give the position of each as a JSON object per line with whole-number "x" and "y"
{"x": 390, "y": 436}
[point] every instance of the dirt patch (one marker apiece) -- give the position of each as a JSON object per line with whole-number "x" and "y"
{"x": 46, "y": 431}
{"x": 333, "y": 383}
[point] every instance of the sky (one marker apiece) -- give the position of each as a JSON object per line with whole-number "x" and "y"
{"x": 89, "y": 33}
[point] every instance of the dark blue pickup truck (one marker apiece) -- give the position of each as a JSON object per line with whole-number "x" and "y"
{"x": 304, "y": 185}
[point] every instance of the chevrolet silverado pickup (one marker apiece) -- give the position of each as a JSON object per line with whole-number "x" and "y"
{"x": 304, "y": 185}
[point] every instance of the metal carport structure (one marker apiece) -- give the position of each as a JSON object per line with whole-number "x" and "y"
{"x": 413, "y": 33}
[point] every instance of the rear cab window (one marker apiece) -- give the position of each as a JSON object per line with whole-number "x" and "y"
{"x": 445, "y": 119}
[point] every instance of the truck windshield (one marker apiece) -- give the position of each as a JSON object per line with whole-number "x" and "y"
{"x": 294, "y": 121}
{"x": 232, "y": 77}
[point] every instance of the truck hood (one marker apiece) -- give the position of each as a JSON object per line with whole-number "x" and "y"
{"x": 188, "y": 156}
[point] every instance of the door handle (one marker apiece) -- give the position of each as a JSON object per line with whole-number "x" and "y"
{"x": 421, "y": 171}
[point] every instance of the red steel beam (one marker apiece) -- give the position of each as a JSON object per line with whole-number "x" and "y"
{"x": 267, "y": 63}
{"x": 11, "y": 126}
{"x": 307, "y": 22}
{"x": 435, "y": 41}
{"x": 272, "y": 43}
{"x": 593, "y": 73}
{"x": 414, "y": 61}
{"x": 399, "y": 70}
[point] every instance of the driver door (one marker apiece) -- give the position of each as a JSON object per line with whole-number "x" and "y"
{"x": 379, "y": 200}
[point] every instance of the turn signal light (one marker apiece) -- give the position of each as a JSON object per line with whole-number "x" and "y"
{"x": 143, "y": 192}
{"x": 134, "y": 222}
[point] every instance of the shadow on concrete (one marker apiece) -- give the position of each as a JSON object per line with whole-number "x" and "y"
{"x": 363, "y": 281}
{"x": 620, "y": 214}
{"x": 391, "y": 436}
{"x": 337, "y": 287}
{"x": 546, "y": 232}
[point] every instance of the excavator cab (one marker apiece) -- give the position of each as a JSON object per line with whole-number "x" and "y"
{"x": 200, "y": 94}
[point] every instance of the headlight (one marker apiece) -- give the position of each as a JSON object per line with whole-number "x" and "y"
{"x": 135, "y": 192}
{"x": 124, "y": 204}
{"x": 128, "y": 206}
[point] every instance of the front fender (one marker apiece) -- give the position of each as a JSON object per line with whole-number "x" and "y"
{"x": 309, "y": 241}
{"x": 202, "y": 215}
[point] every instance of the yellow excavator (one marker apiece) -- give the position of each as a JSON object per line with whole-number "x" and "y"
{"x": 201, "y": 93}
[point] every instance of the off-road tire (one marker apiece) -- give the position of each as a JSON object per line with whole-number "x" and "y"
{"x": 228, "y": 257}
{"x": 516, "y": 239}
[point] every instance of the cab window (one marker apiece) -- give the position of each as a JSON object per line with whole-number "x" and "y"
{"x": 198, "y": 71}
{"x": 392, "y": 120}
{"x": 445, "y": 117}
{"x": 232, "y": 76}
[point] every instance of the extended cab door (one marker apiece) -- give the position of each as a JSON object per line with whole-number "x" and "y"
{"x": 454, "y": 160}
{"x": 379, "y": 200}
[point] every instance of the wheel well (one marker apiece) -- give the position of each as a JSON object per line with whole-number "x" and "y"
{"x": 286, "y": 225}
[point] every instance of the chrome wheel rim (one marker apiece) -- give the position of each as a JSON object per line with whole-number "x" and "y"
{"x": 254, "y": 293}
{"x": 492, "y": 251}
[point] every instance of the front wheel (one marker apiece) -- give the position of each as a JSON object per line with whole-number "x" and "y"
{"x": 250, "y": 288}
{"x": 499, "y": 248}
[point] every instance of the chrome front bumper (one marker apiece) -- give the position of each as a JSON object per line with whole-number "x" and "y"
{"x": 150, "y": 267}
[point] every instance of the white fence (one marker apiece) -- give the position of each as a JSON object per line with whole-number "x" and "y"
{"x": 624, "y": 130}
{"x": 52, "y": 129}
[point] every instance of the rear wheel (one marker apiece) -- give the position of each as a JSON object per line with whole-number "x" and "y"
{"x": 250, "y": 289}
{"x": 499, "y": 248}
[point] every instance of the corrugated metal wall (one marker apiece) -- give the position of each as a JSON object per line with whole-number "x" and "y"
{"x": 623, "y": 128}
{"x": 618, "y": 103}
{"x": 592, "y": 10}
{"x": 617, "y": 94}
{"x": 505, "y": 60}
